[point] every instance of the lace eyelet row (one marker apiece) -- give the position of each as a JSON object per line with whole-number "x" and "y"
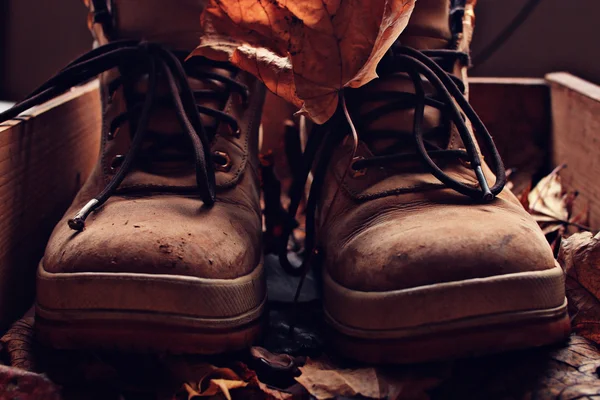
{"x": 354, "y": 172}
{"x": 222, "y": 162}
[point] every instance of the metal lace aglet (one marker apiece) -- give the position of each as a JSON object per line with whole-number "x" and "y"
{"x": 487, "y": 194}
{"x": 77, "y": 223}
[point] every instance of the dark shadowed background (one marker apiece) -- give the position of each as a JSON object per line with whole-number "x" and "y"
{"x": 38, "y": 37}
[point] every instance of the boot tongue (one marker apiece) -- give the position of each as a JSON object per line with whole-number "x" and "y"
{"x": 429, "y": 26}
{"x": 428, "y": 29}
{"x": 174, "y": 23}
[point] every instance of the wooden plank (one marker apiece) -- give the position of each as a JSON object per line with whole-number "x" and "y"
{"x": 516, "y": 111}
{"x": 44, "y": 159}
{"x": 576, "y": 139}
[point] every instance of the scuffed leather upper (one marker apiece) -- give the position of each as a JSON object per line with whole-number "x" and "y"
{"x": 422, "y": 237}
{"x": 398, "y": 227}
{"x": 156, "y": 222}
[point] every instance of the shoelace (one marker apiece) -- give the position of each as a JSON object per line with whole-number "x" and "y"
{"x": 154, "y": 61}
{"x": 449, "y": 92}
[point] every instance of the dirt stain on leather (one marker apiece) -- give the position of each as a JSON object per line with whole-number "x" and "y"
{"x": 165, "y": 248}
{"x": 402, "y": 257}
{"x": 506, "y": 240}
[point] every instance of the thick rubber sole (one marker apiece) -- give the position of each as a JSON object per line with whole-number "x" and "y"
{"x": 449, "y": 320}
{"x": 141, "y": 333}
{"x": 443, "y": 343}
{"x": 149, "y": 313}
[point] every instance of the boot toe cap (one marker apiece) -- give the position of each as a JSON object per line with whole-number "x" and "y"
{"x": 439, "y": 244}
{"x": 159, "y": 235}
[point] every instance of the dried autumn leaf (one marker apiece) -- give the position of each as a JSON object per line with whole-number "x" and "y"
{"x": 18, "y": 343}
{"x": 553, "y": 207}
{"x": 215, "y": 386}
{"x": 236, "y": 382}
{"x": 324, "y": 380}
{"x": 275, "y": 394}
{"x": 567, "y": 372}
{"x": 214, "y": 380}
{"x": 304, "y": 51}
{"x": 16, "y": 383}
{"x": 547, "y": 202}
{"x": 580, "y": 257}
{"x": 269, "y": 392}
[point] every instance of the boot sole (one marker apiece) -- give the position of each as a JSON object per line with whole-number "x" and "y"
{"x": 448, "y": 320}
{"x": 149, "y": 313}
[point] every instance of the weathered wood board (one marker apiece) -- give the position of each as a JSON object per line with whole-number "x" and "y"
{"x": 516, "y": 112}
{"x": 45, "y": 156}
{"x": 576, "y": 139}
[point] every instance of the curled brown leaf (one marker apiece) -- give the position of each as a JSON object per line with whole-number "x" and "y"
{"x": 552, "y": 206}
{"x": 580, "y": 257}
{"x": 16, "y": 383}
{"x": 216, "y": 386}
{"x": 324, "y": 380}
{"x": 306, "y": 51}
{"x": 237, "y": 381}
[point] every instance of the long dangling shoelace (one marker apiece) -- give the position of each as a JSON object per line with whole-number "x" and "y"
{"x": 449, "y": 92}
{"x": 154, "y": 61}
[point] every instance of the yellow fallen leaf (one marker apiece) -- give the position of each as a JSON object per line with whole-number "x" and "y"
{"x": 191, "y": 391}
{"x": 224, "y": 386}
{"x": 210, "y": 381}
{"x": 304, "y": 51}
{"x": 215, "y": 386}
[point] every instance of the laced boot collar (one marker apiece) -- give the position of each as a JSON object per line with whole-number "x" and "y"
{"x": 153, "y": 62}
{"x": 429, "y": 66}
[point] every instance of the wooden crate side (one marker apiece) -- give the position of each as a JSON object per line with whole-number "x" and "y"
{"x": 576, "y": 139}
{"x": 516, "y": 111}
{"x": 44, "y": 160}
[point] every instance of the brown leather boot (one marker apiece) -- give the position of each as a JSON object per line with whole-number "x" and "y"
{"x": 422, "y": 258}
{"x": 161, "y": 249}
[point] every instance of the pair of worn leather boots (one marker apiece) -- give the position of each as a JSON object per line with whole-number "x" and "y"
{"x": 424, "y": 255}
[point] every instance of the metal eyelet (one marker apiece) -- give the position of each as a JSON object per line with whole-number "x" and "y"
{"x": 357, "y": 173}
{"x": 112, "y": 135}
{"x": 222, "y": 161}
{"x": 116, "y": 162}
